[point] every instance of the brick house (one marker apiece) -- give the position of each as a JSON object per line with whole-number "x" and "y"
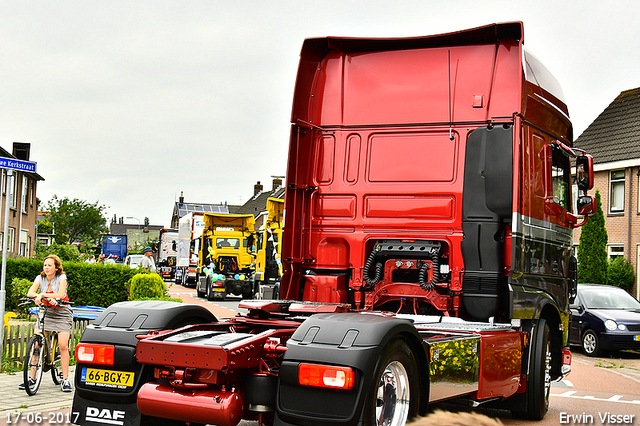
{"x": 23, "y": 208}
{"x": 614, "y": 141}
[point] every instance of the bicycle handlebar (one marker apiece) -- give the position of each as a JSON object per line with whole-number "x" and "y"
{"x": 30, "y": 300}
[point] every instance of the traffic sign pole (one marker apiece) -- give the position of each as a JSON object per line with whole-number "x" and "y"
{"x": 10, "y": 164}
{"x": 3, "y": 278}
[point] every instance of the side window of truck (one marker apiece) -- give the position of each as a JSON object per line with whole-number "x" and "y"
{"x": 561, "y": 179}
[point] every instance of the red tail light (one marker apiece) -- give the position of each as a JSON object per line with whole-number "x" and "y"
{"x": 95, "y": 353}
{"x": 326, "y": 376}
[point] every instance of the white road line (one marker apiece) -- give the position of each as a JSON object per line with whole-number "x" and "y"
{"x": 615, "y": 398}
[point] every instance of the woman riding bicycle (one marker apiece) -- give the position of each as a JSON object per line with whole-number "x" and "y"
{"x": 51, "y": 284}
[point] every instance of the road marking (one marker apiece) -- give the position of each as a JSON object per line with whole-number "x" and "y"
{"x": 615, "y": 398}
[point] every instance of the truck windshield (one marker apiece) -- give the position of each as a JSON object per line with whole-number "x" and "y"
{"x": 227, "y": 242}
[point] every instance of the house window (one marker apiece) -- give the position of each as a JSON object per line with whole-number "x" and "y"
{"x": 10, "y": 238}
{"x": 25, "y": 193}
{"x": 616, "y": 191}
{"x": 614, "y": 251}
{"x": 14, "y": 191}
{"x": 24, "y": 236}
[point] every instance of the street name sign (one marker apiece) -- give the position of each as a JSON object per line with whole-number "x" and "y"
{"x": 15, "y": 164}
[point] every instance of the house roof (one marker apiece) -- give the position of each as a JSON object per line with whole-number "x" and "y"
{"x": 257, "y": 204}
{"x": 615, "y": 134}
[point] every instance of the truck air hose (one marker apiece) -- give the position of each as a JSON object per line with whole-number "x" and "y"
{"x": 422, "y": 274}
{"x": 368, "y": 281}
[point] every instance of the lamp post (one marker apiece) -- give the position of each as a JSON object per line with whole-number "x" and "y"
{"x": 138, "y": 233}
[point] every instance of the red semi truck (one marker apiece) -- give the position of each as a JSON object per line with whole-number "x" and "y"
{"x": 427, "y": 253}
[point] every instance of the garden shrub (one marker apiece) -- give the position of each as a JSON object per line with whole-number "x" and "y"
{"x": 16, "y": 289}
{"x": 145, "y": 286}
{"x": 620, "y": 273}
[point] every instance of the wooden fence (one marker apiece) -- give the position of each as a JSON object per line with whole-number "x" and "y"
{"x": 16, "y": 338}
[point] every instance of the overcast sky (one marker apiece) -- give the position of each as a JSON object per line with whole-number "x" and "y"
{"x": 129, "y": 103}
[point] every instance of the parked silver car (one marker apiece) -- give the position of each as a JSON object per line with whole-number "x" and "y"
{"x": 134, "y": 260}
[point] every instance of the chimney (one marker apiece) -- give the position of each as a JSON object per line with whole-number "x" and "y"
{"x": 257, "y": 188}
{"x": 277, "y": 183}
{"x": 181, "y": 199}
{"x": 21, "y": 150}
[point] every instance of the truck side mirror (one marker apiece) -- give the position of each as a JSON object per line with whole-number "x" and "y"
{"x": 584, "y": 172}
{"x": 586, "y": 204}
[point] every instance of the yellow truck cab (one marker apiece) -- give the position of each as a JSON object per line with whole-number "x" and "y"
{"x": 227, "y": 256}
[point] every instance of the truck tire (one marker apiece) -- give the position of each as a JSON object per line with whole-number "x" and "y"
{"x": 539, "y": 380}
{"x": 395, "y": 396}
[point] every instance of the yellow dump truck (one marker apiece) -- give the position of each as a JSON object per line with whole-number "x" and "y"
{"x": 226, "y": 259}
{"x": 268, "y": 251}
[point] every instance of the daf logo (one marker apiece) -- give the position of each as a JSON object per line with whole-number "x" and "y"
{"x": 105, "y": 416}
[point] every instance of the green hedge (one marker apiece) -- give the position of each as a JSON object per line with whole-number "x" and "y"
{"x": 89, "y": 284}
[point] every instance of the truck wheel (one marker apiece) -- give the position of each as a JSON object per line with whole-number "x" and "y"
{"x": 590, "y": 343}
{"x": 396, "y": 392}
{"x": 539, "y": 380}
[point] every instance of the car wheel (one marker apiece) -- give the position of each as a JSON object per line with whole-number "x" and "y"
{"x": 590, "y": 343}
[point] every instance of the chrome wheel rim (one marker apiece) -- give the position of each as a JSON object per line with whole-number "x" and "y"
{"x": 392, "y": 396}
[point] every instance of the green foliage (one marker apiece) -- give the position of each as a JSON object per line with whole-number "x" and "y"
{"x": 620, "y": 273}
{"x": 76, "y": 220}
{"x": 45, "y": 227}
{"x": 147, "y": 285}
{"x": 89, "y": 284}
{"x": 592, "y": 250}
{"x": 66, "y": 252}
{"x": 16, "y": 289}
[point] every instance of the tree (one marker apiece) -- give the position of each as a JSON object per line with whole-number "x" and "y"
{"x": 620, "y": 273}
{"x": 45, "y": 227}
{"x": 76, "y": 220}
{"x": 592, "y": 249}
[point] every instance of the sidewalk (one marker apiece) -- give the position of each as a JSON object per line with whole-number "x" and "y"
{"x": 48, "y": 399}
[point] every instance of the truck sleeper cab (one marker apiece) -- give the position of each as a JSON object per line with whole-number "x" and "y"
{"x": 433, "y": 176}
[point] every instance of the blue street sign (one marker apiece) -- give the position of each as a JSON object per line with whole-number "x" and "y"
{"x": 15, "y": 164}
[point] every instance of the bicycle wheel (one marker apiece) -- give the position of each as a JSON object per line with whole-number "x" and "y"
{"x": 56, "y": 361}
{"x": 33, "y": 365}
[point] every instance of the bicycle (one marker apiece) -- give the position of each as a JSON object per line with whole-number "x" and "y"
{"x": 50, "y": 359}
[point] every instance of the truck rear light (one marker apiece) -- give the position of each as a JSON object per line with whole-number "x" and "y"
{"x": 566, "y": 362}
{"x": 326, "y": 376}
{"x": 95, "y": 353}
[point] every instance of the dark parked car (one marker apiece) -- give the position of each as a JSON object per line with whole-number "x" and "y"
{"x": 604, "y": 318}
